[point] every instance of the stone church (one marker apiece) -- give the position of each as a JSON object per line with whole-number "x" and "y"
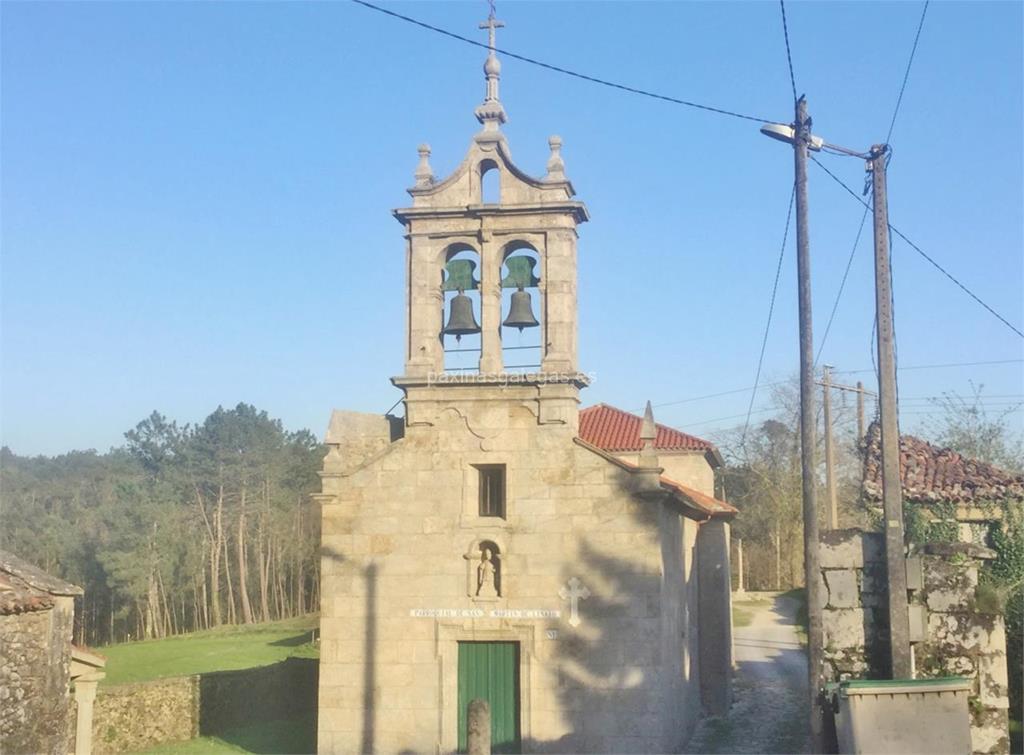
{"x": 569, "y": 566}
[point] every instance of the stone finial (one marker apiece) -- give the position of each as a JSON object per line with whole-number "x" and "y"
{"x": 648, "y": 434}
{"x": 424, "y": 173}
{"x": 556, "y": 167}
{"x": 491, "y": 113}
{"x": 648, "y": 430}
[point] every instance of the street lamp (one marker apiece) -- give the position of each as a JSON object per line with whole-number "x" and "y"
{"x": 784, "y": 133}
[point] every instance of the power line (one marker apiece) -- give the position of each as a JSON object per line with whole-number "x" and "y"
{"x": 771, "y": 310}
{"x": 938, "y": 366}
{"x": 558, "y": 69}
{"x": 713, "y": 395}
{"x": 855, "y": 372}
{"x": 789, "y": 56}
{"x": 864, "y": 216}
{"x": 906, "y": 74}
{"x": 920, "y": 251}
{"x": 842, "y": 285}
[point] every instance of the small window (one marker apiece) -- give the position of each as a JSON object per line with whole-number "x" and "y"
{"x": 492, "y": 490}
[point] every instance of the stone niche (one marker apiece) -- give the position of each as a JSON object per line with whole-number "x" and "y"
{"x": 484, "y": 566}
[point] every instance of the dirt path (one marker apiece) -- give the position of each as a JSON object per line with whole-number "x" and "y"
{"x": 769, "y": 699}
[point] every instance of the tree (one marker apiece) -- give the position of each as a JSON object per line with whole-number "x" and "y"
{"x": 177, "y": 526}
{"x": 966, "y": 426}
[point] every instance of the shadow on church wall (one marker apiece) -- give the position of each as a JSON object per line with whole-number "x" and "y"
{"x": 609, "y": 688}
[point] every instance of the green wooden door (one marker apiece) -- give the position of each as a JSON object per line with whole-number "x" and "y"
{"x": 490, "y": 670}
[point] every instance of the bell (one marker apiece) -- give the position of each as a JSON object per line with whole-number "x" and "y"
{"x": 520, "y": 314}
{"x": 461, "y": 321}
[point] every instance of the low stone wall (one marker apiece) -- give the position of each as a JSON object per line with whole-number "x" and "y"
{"x": 228, "y": 699}
{"x": 960, "y": 638}
{"x": 129, "y": 717}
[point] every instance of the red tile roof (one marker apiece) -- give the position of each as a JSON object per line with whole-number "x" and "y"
{"x": 703, "y": 503}
{"x": 931, "y": 474}
{"x": 614, "y": 430}
{"x": 711, "y": 504}
{"x": 24, "y": 587}
{"x": 17, "y": 596}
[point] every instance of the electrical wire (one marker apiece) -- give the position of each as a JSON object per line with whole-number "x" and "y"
{"x": 937, "y": 366}
{"x": 888, "y": 136}
{"x": 906, "y": 73}
{"x": 789, "y": 55}
{"x": 920, "y": 251}
{"x": 566, "y": 71}
{"x": 771, "y": 310}
{"x": 842, "y": 285}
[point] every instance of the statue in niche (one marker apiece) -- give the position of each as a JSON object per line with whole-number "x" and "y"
{"x": 486, "y": 575}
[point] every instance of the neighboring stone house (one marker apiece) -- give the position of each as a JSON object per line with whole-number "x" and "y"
{"x": 36, "y": 621}
{"x": 570, "y": 567}
{"x": 948, "y": 487}
{"x": 951, "y": 632}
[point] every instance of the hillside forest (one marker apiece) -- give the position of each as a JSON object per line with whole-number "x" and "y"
{"x": 180, "y": 529}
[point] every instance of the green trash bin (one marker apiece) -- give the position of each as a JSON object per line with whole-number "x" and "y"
{"x": 903, "y": 715}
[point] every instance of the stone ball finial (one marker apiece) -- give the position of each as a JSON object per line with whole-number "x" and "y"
{"x": 556, "y": 167}
{"x": 492, "y": 66}
{"x": 424, "y": 173}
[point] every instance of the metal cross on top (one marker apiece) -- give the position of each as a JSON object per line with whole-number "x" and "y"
{"x": 491, "y": 24}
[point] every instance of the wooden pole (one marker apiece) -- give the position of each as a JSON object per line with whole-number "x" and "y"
{"x": 830, "y": 473}
{"x": 892, "y": 494}
{"x": 860, "y": 411}
{"x": 812, "y": 578}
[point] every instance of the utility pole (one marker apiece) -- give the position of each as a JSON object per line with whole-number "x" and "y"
{"x": 830, "y": 473}
{"x": 892, "y": 495}
{"x": 860, "y": 411}
{"x": 812, "y": 578}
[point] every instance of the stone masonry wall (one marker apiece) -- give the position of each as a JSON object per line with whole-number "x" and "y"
{"x": 131, "y": 717}
{"x": 398, "y": 538}
{"x": 34, "y": 673}
{"x": 960, "y": 639}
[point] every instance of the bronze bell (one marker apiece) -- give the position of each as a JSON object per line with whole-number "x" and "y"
{"x": 461, "y": 321}
{"x": 520, "y": 313}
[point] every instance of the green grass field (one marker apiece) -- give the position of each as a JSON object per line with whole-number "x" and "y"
{"x": 214, "y": 650}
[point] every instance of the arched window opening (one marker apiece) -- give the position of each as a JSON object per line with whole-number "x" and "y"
{"x": 460, "y": 334}
{"x": 522, "y": 310}
{"x": 490, "y": 183}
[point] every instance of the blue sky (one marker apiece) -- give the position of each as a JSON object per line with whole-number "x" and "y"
{"x": 196, "y": 198}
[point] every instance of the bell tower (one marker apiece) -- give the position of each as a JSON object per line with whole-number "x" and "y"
{"x": 486, "y": 266}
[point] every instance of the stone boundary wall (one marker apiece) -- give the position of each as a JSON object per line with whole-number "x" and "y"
{"x": 959, "y": 637}
{"x": 135, "y": 716}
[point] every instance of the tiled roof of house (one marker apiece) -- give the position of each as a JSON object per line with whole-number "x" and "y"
{"x": 704, "y": 505}
{"x": 713, "y": 505}
{"x": 929, "y": 473}
{"x": 615, "y": 430}
{"x": 17, "y": 596}
{"x": 24, "y": 587}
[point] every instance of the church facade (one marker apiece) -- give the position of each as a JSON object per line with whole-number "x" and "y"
{"x": 570, "y": 567}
